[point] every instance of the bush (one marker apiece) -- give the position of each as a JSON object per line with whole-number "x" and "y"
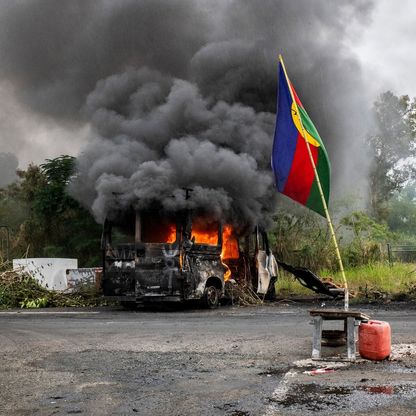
{"x": 302, "y": 240}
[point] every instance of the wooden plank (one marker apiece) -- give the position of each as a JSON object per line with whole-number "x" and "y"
{"x": 351, "y": 347}
{"x": 338, "y": 314}
{"x": 317, "y": 338}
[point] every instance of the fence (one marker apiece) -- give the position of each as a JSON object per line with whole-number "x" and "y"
{"x": 403, "y": 253}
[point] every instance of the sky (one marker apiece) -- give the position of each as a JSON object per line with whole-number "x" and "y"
{"x": 382, "y": 41}
{"x": 386, "y": 48}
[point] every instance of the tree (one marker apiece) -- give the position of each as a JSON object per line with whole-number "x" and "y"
{"x": 402, "y": 215}
{"x": 53, "y": 223}
{"x": 393, "y": 149}
{"x": 52, "y": 198}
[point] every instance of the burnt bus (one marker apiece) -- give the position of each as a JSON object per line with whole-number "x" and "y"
{"x": 153, "y": 256}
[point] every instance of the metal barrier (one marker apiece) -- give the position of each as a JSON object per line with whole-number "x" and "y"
{"x": 404, "y": 253}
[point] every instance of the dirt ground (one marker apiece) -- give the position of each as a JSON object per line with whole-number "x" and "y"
{"x": 230, "y": 361}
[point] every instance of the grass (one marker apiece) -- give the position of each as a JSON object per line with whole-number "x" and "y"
{"x": 370, "y": 281}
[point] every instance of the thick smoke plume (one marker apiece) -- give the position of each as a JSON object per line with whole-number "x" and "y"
{"x": 182, "y": 93}
{"x": 157, "y": 135}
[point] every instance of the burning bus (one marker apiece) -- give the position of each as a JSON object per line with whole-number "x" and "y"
{"x": 155, "y": 256}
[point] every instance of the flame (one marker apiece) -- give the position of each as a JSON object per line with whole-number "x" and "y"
{"x": 229, "y": 248}
{"x": 171, "y": 235}
{"x": 157, "y": 230}
{"x": 205, "y": 234}
{"x": 229, "y": 244}
{"x": 205, "y": 237}
{"x": 227, "y": 273}
{"x": 209, "y": 235}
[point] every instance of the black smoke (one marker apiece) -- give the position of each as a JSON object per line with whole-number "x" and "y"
{"x": 157, "y": 135}
{"x": 182, "y": 93}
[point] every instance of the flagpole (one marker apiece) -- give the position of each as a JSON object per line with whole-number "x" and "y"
{"x": 318, "y": 181}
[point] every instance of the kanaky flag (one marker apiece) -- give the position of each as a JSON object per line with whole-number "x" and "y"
{"x": 291, "y": 162}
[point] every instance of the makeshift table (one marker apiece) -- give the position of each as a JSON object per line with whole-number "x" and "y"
{"x": 351, "y": 319}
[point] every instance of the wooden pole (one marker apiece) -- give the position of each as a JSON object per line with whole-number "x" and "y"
{"x": 318, "y": 182}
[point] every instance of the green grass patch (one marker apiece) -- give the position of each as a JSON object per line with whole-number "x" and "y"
{"x": 288, "y": 286}
{"x": 369, "y": 281}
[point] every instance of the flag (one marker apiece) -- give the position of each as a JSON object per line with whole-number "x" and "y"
{"x": 291, "y": 162}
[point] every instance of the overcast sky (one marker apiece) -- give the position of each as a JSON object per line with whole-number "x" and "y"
{"x": 384, "y": 46}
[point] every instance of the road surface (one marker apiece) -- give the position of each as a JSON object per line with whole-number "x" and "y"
{"x": 231, "y": 361}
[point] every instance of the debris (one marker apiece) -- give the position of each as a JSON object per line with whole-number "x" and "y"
{"x": 310, "y": 280}
{"x": 319, "y": 371}
{"x": 241, "y": 294}
{"x": 331, "y": 285}
{"x": 399, "y": 351}
{"x": 19, "y": 289}
{"x": 308, "y": 362}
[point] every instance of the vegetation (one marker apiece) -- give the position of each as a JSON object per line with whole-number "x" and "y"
{"x": 44, "y": 220}
{"x": 377, "y": 281}
{"x": 305, "y": 240}
{"x": 402, "y": 213}
{"x": 392, "y": 149}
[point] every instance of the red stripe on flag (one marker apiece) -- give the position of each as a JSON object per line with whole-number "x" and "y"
{"x": 301, "y": 176}
{"x": 298, "y": 102}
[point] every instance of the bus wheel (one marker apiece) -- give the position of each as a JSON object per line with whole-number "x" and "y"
{"x": 211, "y": 297}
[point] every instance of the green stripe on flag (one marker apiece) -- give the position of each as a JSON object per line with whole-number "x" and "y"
{"x": 314, "y": 201}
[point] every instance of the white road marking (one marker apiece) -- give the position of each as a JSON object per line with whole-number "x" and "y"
{"x": 280, "y": 392}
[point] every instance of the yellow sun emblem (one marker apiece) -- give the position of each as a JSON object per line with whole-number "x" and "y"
{"x": 296, "y": 120}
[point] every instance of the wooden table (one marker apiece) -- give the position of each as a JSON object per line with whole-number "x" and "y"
{"x": 350, "y": 318}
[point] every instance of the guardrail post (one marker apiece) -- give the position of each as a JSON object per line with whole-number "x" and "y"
{"x": 389, "y": 255}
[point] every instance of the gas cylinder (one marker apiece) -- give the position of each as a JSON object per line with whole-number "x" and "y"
{"x": 374, "y": 340}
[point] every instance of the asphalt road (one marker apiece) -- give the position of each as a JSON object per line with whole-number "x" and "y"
{"x": 231, "y": 361}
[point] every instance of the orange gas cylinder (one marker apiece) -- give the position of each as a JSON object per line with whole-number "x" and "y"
{"x": 374, "y": 340}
